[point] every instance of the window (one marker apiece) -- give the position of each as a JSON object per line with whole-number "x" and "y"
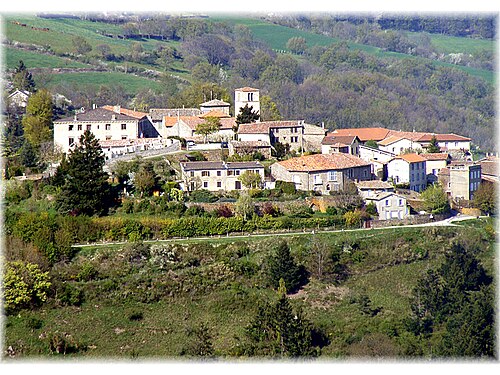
{"x": 237, "y": 172}
{"x": 108, "y": 138}
{"x": 332, "y": 175}
{"x": 191, "y": 174}
{"x": 250, "y": 96}
{"x": 365, "y": 173}
{"x": 70, "y": 128}
{"x": 205, "y": 184}
{"x": 79, "y": 126}
{"x": 124, "y": 126}
{"x": 277, "y": 139}
{"x": 412, "y": 167}
{"x": 205, "y": 173}
{"x": 219, "y": 184}
{"x": 295, "y": 139}
{"x": 317, "y": 180}
{"x": 230, "y": 172}
{"x": 108, "y": 126}
{"x": 387, "y": 202}
{"x": 89, "y": 127}
{"x": 71, "y": 140}
{"x": 124, "y": 137}
{"x": 400, "y": 202}
{"x": 276, "y": 131}
{"x": 219, "y": 173}
{"x": 237, "y": 185}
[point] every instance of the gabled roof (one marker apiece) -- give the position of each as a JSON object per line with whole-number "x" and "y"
{"x": 322, "y": 162}
{"x": 263, "y": 127}
{"x": 341, "y": 140}
{"x": 374, "y": 184}
{"x": 158, "y": 113}
{"x": 205, "y": 165}
{"x": 426, "y": 137}
{"x": 489, "y": 166}
{"x": 214, "y": 113}
{"x": 17, "y": 91}
{"x": 125, "y": 111}
{"x": 436, "y": 156}
{"x": 247, "y": 89}
{"x": 410, "y": 158}
{"x": 364, "y": 134}
{"x": 193, "y": 121}
{"x": 390, "y": 140}
{"x": 383, "y": 195}
{"x": 97, "y": 114}
{"x": 215, "y": 103}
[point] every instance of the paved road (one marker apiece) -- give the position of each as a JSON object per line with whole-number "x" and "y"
{"x": 446, "y": 222}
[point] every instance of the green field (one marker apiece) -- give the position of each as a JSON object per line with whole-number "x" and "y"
{"x": 277, "y": 36}
{"x": 453, "y": 44}
{"x": 37, "y": 60}
{"x": 132, "y": 84}
{"x": 62, "y": 31}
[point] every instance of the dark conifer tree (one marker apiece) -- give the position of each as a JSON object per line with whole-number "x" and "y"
{"x": 23, "y": 80}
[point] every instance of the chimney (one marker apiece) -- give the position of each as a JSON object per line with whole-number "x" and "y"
{"x": 116, "y": 108}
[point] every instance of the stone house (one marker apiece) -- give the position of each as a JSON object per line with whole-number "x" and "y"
{"x": 217, "y": 175}
{"x": 321, "y": 172}
{"x": 348, "y": 144}
{"x": 185, "y": 127}
{"x": 246, "y": 96}
{"x": 215, "y": 105}
{"x": 408, "y": 169}
{"x": 106, "y": 123}
{"x": 389, "y": 205}
{"x": 249, "y": 147}
{"x": 373, "y": 187}
{"x": 460, "y": 180}
{"x": 18, "y": 98}
{"x": 434, "y": 162}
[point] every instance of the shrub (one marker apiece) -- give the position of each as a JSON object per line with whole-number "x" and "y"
{"x": 286, "y": 187}
{"x": 197, "y": 156}
{"x": 34, "y": 323}
{"x": 24, "y": 285}
{"x": 224, "y": 211}
{"x": 69, "y": 295}
{"x": 269, "y": 209}
{"x": 135, "y": 316}
{"x": 87, "y": 272}
{"x": 202, "y": 196}
{"x": 352, "y": 218}
{"x": 63, "y": 343}
{"x": 195, "y": 211}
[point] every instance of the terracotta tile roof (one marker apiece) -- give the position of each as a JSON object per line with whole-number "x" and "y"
{"x": 389, "y": 140}
{"x": 426, "y": 137}
{"x": 203, "y": 165}
{"x": 125, "y": 111}
{"x": 364, "y": 134}
{"x": 263, "y": 127}
{"x": 411, "y": 158}
{"x": 97, "y": 114}
{"x": 333, "y": 140}
{"x": 214, "y": 113}
{"x": 247, "y": 89}
{"x": 158, "y": 113}
{"x": 215, "y": 103}
{"x": 374, "y": 184}
{"x": 322, "y": 162}
{"x": 489, "y": 166}
{"x": 193, "y": 121}
{"x": 436, "y": 156}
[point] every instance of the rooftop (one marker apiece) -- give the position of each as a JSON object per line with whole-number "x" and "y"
{"x": 364, "y": 134}
{"x": 322, "y": 162}
{"x": 97, "y": 114}
{"x": 247, "y": 89}
{"x": 411, "y": 158}
{"x": 125, "y": 111}
{"x": 158, "y": 113}
{"x": 205, "y": 165}
{"x": 215, "y": 103}
{"x": 263, "y": 127}
{"x": 382, "y": 195}
{"x": 436, "y": 156}
{"x": 338, "y": 139}
{"x": 374, "y": 184}
{"x": 193, "y": 121}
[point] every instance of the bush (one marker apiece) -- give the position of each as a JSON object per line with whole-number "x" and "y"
{"x": 286, "y": 187}
{"x": 224, "y": 211}
{"x": 34, "y": 323}
{"x": 69, "y": 295}
{"x": 202, "y": 196}
{"x": 25, "y": 285}
{"x": 135, "y": 316}
{"x": 195, "y": 211}
{"x": 63, "y": 343}
{"x": 197, "y": 156}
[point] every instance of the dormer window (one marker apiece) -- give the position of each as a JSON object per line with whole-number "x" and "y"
{"x": 250, "y": 96}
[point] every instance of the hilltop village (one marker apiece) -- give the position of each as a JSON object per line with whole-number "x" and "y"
{"x": 388, "y": 167}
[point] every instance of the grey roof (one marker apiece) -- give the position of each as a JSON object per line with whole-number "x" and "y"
{"x": 374, "y": 184}
{"x": 215, "y": 103}
{"x": 97, "y": 114}
{"x": 205, "y": 165}
{"x": 157, "y": 114}
{"x": 383, "y": 195}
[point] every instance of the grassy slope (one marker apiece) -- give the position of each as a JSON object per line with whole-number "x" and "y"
{"x": 163, "y": 330}
{"x": 453, "y": 44}
{"x": 277, "y": 36}
{"x": 37, "y": 60}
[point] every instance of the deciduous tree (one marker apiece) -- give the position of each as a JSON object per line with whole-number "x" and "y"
{"x": 210, "y": 126}
{"x": 251, "y": 179}
{"x": 80, "y": 45}
{"x": 485, "y": 198}
{"x": 435, "y": 200}
{"x": 37, "y": 122}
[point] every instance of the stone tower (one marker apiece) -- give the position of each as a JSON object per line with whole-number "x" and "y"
{"x": 244, "y": 96}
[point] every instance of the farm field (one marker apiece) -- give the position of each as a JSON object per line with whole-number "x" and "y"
{"x": 130, "y": 83}
{"x": 38, "y": 60}
{"x": 452, "y": 44}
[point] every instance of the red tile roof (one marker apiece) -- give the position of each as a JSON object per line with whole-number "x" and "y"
{"x": 364, "y": 134}
{"x": 247, "y": 89}
{"x": 214, "y": 113}
{"x": 426, "y": 137}
{"x": 338, "y": 139}
{"x": 411, "y": 158}
{"x": 435, "y": 156}
{"x": 389, "y": 140}
{"x": 193, "y": 121}
{"x": 322, "y": 162}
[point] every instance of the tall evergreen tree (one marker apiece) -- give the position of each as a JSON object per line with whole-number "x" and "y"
{"x": 23, "y": 80}
{"x": 433, "y": 145}
{"x": 282, "y": 266}
{"x": 247, "y": 115}
{"x": 85, "y": 190}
